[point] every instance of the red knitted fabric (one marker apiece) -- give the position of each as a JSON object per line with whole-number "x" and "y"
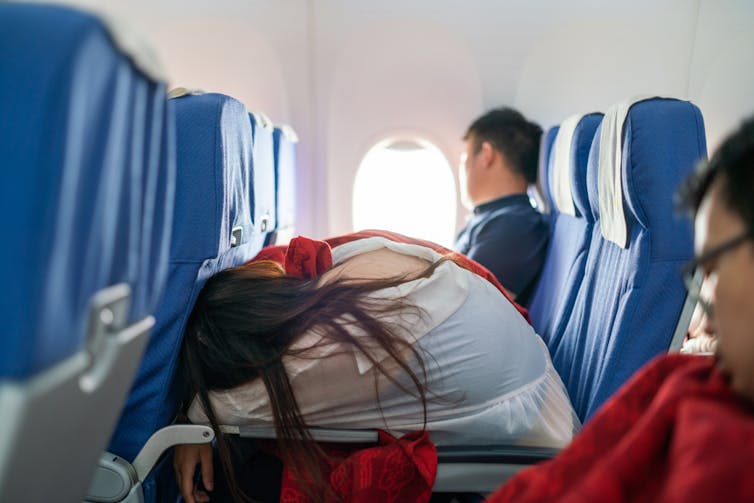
{"x": 673, "y": 433}
{"x": 394, "y": 471}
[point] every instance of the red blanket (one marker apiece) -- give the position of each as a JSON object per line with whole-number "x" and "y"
{"x": 673, "y": 433}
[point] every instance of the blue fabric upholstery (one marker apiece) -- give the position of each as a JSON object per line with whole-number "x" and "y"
{"x": 263, "y": 190}
{"x": 285, "y": 180}
{"x": 212, "y": 198}
{"x": 629, "y": 300}
{"x": 88, "y": 174}
{"x": 563, "y": 271}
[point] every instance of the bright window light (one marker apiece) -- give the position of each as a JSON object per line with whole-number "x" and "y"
{"x": 406, "y": 187}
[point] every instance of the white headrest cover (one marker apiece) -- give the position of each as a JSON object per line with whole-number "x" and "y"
{"x": 609, "y": 185}
{"x": 289, "y": 133}
{"x": 562, "y": 196}
{"x": 262, "y": 120}
{"x": 178, "y": 92}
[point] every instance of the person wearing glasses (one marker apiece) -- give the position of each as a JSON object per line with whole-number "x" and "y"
{"x": 682, "y": 428}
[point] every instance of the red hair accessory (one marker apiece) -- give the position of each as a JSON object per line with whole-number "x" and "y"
{"x": 303, "y": 257}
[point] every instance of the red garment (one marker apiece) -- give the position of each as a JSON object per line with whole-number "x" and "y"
{"x": 392, "y": 471}
{"x": 308, "y": 258}
{"x": 674, "y": 432}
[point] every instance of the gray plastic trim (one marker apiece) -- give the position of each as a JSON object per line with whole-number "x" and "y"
{"x": 112, "y": 481}
{"x": 318, "y": 434}
{"x": 164, "y": 439}
{"x": 56, "y": 424}
{"x": 473, "y": 477}
{"x": 684, "y": 319}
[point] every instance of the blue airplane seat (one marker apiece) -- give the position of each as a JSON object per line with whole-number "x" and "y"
{"x": 263, "y": 190}
{"x": 563, "y": 269}
{"x": 631, "y": 295}
{"x": 88, "y": 177}
{"x": 212, "y": 230}
{"x": 285, "y": 141}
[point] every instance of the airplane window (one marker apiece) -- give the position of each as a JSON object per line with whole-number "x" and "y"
{"x": 406, "y": 186}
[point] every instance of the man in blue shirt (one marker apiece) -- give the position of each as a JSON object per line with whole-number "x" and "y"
{"x": 505, "y": 233}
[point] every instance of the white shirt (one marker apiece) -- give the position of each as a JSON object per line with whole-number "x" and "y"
{"x": 489, "y": 374}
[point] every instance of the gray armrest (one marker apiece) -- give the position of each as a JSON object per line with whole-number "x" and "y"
{"x": 318, "y": 434}
{"x": 117, "y": 480}
{"x": 114, "y": 480}
{"x": 506, "y": 454}
{"x": 164, "y": 439}
{"x": 482, "y": 469}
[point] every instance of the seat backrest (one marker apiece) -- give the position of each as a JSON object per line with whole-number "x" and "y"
{"x": 563, "y": 269}
{"x": 86, "y": 200}
{"x": 212, "y": 231}
{"x": 631, "y": 295}
{"x": 285, "y": 141}
{"x": 263, "y": 187}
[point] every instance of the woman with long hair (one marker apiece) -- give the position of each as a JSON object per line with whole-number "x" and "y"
{"x": 391, "y": 336}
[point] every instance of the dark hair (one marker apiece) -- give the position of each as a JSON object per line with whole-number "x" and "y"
{"x": 243, "y": 324}
{"x": 733, "y": 165}
{"x": 511, "y": 134}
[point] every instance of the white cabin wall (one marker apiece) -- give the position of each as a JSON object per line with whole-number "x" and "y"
{"x": 256, "y": 51}
{"x": 347, "y": 73}
{"x": 721, "y": 79}
{"x": 379, "y": 75}
{"x": 608, "y": 53}
{"x": 432, "y": 66}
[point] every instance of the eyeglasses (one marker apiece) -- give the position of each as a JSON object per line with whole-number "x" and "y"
{"x": 694, "y": 281}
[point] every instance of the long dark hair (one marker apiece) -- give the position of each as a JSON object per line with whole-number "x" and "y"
{"x": 244, "y": 322}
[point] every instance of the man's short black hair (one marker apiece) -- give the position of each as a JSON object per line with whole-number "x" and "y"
{"x": 510, "y": 133}
{"x": 733, "y": 165}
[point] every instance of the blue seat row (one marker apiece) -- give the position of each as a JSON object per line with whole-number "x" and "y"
{"x": 213, "y": 230}
{"x": 117, "y": 204}
{"x": 563, "y": 269}
{"x": 605, "y": 305}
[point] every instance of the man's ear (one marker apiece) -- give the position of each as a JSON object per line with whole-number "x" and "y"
{"x": 487, "y": 154}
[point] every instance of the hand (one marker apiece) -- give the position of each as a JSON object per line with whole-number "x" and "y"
{"x": 186, "y": 457}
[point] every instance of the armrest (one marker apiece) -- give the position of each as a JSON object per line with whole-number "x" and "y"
{"x": 331, "y": 435}
{"x": 164, "y": 439}
{"x": 117, "y": 480}
{"x": 507, "y": 454}
{"x": 482, "y": 469}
